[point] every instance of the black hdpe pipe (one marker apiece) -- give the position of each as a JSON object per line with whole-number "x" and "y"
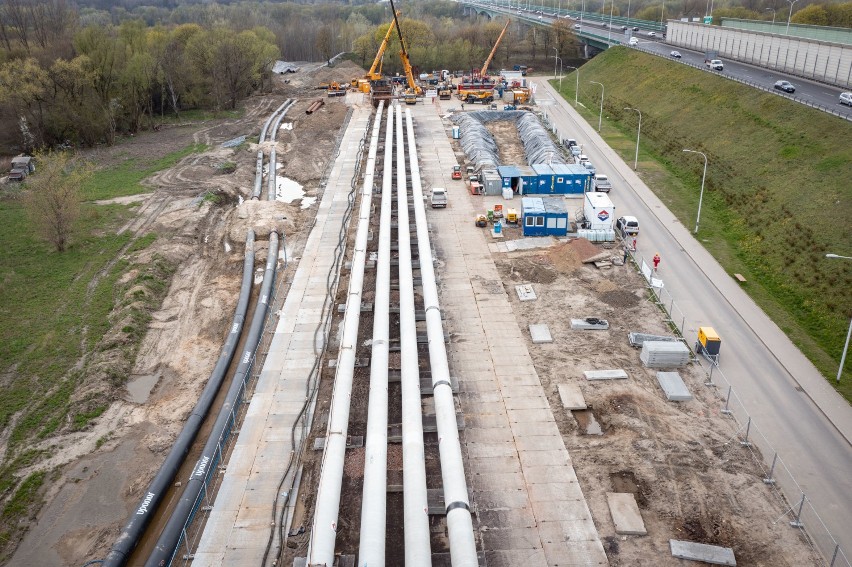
{"x": 212, "y": 453}
{"x": 270, "y": 119}
{"x": 138, "y": 522}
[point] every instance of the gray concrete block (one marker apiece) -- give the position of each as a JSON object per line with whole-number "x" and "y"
{"x": 540, "y": 334}
{"x": 673, "y": 386}
{"x": 702, "y": 552}
{"x": 586, "y": 325}
{"x": 625, "y": 513}
{"x": 571, "y": 396}
{"x": 605, "y": 374}
{"x": 525, "y": 292}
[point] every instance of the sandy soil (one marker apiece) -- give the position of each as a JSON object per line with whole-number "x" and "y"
{"x": 95, "y": 487}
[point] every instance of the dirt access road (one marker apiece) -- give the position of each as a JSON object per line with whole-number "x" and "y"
{"x": 691, "y": 479}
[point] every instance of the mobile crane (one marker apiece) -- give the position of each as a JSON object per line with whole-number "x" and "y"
{"x": 481, "y": 88}
{"x": 375, "y": 72}
{"x": 413, "y": 90}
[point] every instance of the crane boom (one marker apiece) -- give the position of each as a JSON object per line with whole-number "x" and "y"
{"x": 403, "y": 55}
{"x": 372, "y": 75}
{"x": 494, "y": 50}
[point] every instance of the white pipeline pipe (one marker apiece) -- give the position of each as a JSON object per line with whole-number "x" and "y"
{"x": 459, "y": 522}
{"x": 371, "y": 548}
{"x": 324, "y": 527}
{"x": 417, "y": 550}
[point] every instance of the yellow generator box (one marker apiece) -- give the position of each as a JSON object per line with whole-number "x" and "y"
{"x": 709, "y": 340}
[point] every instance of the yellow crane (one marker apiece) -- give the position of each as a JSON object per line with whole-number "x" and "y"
{"x": 413, "y": 90}
{"x": 494, "y": 50}
{"x": 375, "y": 72}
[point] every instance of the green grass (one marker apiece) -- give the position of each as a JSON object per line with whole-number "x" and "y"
{"x": 123, "y": 180}
{"x": 777, "y": 195}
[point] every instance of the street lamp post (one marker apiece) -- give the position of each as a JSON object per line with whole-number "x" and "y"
{"x": 577, "y": 88}
{"x": 609, "y": 28}
{"x": 849, "y": 332}
{"x": 701, "y": 196}
{"x": 638, "y": 132}
{"x": 555, "y": 59}
{"x": 790, "y": 15}
{"x": 600, "y": 116}
{"x": 773, "y": 14}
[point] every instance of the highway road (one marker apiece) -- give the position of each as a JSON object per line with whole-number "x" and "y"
{"x": 809, "y": 92}
{"x": 790, "y": 403}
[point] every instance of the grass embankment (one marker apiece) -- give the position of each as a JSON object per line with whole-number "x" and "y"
{"x": 777, "y": 195}
{"x": 52, "y": 321}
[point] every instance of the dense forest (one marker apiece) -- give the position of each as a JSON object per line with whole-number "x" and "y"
{"x": 81, "y": 73}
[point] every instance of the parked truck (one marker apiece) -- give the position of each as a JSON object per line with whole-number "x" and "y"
{"x": 598, "y": 211}
{"x": 439, "y": 198}
{"x": 601, "y": 183}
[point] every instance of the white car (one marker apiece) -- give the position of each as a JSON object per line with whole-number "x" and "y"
{"x": 846, "y": 98}
{"x": 577, "y": 26}
{"x": 634, "y": 41}
{"x": 652, "y": 34}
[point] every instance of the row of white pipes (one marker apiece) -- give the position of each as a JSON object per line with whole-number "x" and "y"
{"x": 324, "y": 527}
{"x": 372, "y": 545}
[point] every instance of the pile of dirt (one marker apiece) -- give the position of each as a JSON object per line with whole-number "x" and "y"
{"x": 565, "y": 257}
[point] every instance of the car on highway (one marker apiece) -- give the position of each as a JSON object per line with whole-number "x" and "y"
{"x": 845, "y": 98}
{"x": 636, "y": 29}
{"x": 652, "y": 34}
{"x": 634, "y": 41}
{"x": 675, "y": 54}
{"x": 785, "y": 86}
{"x": 623, "y": 28}
{"x": 577, "y": 26}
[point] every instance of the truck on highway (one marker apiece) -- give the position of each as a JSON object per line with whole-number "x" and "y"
{"x": 715, "y": 64}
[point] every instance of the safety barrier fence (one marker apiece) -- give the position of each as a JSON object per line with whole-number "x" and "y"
{"x": 747, "y": 436}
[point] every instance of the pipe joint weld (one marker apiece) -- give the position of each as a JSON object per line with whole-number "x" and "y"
{"x": 457, "y": 504}
{"x": 441, "y": 383}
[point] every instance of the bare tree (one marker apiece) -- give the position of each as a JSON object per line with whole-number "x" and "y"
{"x": 53, "y": 197}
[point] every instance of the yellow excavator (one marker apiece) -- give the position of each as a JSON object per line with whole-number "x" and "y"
{"x": 413, "y": 91}
{"x": 375, "y": 72}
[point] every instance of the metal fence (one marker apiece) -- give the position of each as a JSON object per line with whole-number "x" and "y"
{"x": 799, "y": 512}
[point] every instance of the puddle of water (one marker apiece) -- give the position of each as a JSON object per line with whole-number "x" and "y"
{"x": 287, "y": 190}
{"x": 587, "y": 422}
{"x": 140, "y": 388}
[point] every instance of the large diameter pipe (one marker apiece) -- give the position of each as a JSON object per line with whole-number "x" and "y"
{"x": 324, "y": 526}
{"x": 270, "y": 119}
{"x": 273, "y": 133}
{"x": 456, "y": 499}
{"x": 211, "y": 455}
{"x": 272, "y": 176}
{"x": 417, "y": 550}
{"x": 258, "y": 176}
{"x": 153, "y": 496}
{"x": 371, "y": 549}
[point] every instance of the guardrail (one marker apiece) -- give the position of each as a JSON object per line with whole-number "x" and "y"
{"x": 832, "y": 111}
{"x": 774, "y": 471}
{"x": 592, "y": 16}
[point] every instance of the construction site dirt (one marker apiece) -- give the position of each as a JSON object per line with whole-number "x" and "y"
{"x": 682, "y": 460}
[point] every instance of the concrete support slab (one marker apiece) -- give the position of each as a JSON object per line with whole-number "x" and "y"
{"x": 571, "y": 396}
{"x": 605, "y": 374}
{"x": 625, "y": 513}
{"x": 673, "y": 386}
{"x": 526, "y": 292}
{"x": 540, "y": 334}
{"x": 702, "y": 552}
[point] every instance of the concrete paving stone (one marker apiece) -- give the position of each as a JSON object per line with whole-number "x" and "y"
{"x": 554, "y": 458}
{"x": 625, "y": 513}
{"x": 523, "y": 371}
{"x": 515, "y": 558}
{"x": 571, "y": 396}
{"x": 554, "y": 491}
{"x": 522, "y": 390}
{"x": 505, "y": 519}
{"x": 507, "y": 380}
{"x": 548, "y": 474}
{"x": 251, "y": 433}
{"x": 486, "y": 408}
{"x": 540, "y": 334}
{"x": 702, "y": 552}
{"x": 284, "y": 405}
{"x": 208, "y": 559}
{"x": 483, "y": 421}
{"x": 490, "y": 449}
{"x": 473, "y": 398}
{"x": 493, "y": 481}
{"x": 491, "y": 435}
{"x": 530, "y": 415}
{"x": 242, "y": 460}
{"x": 231, "y": 492}
{"x": 473, "y": 386}
{"x": 540, "y": 444}
{"x": 560, "y": 511}
{"x": 259, "y": 405}
{"x": 569, "y": 530}
{"x": 217, "y": 530}
{"x": 501, "y": 499}
{"x": 483, "y": 465}
{"x": 575, "y": 554}
{"x": 511, "y": 539}
{"x": 614, "y": 374}
{"x": 541, "y": 428}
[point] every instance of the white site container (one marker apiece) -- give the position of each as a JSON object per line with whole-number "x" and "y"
{"x": 598, "y": 211}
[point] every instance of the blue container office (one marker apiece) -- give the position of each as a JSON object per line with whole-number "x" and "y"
{"x": 570, "y": 178}
{"x": 521, "y": 179}
{"x": 544, "y": 216}
{"x": 544, "y": 185}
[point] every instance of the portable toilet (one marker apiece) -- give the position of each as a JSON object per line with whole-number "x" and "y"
{"x": 570, "y": 178}
{"x": 491, "y": 181}
{"x": 545, "y": 179}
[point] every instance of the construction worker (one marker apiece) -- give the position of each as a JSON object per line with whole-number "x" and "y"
{"x": 656, "y": 261}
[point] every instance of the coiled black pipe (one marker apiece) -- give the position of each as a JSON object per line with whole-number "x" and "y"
{"x": 138, "y": 522}
{"x": 211, "y": 455}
